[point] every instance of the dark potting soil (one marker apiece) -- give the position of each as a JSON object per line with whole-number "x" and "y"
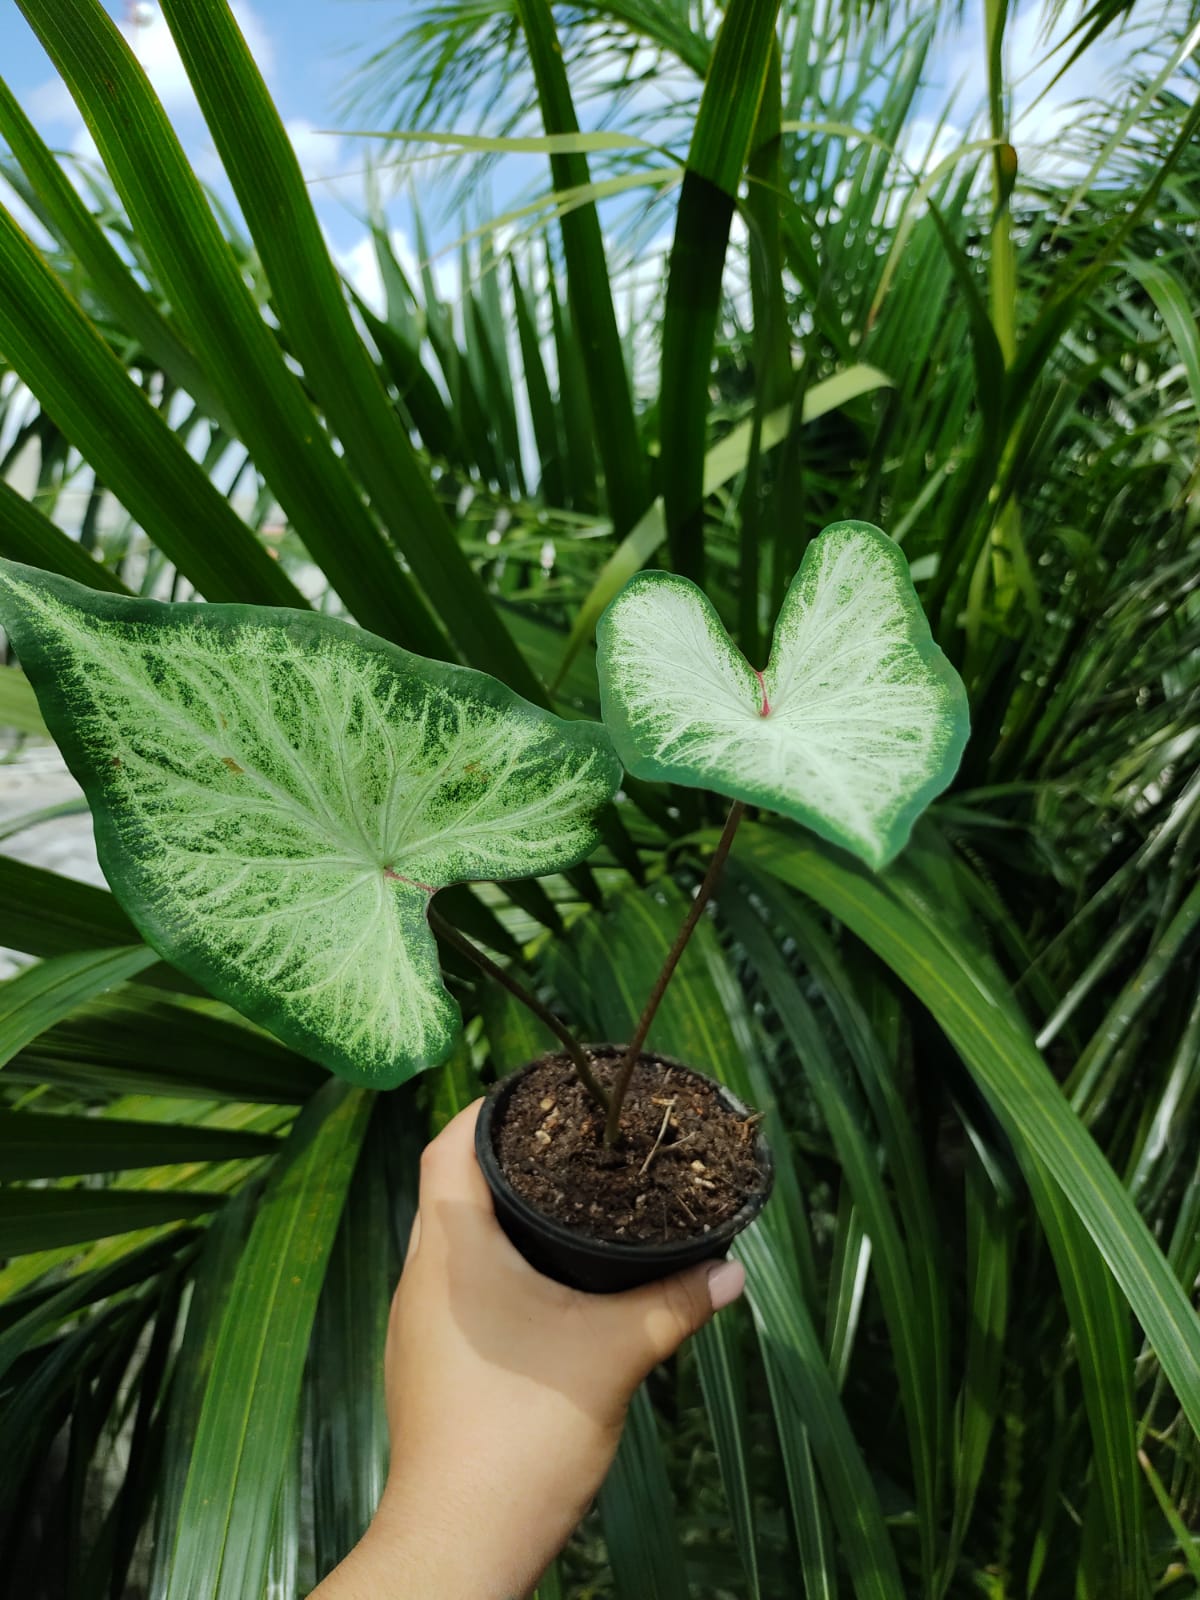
{"x": 685, "y": 1163}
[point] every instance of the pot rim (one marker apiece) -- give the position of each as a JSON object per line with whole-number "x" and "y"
{"x": 617, "y": 1249}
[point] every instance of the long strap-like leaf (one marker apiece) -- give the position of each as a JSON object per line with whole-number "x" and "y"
{"x": 39, "y": 997}
{"x": 592, "y": 316}
{"x": 37, "y": 1146}
{"x": 719, "y": 150}
{"x": 1002, "y": 1058}
{"x": 639, "y": 1515}
{"x": 26, "y": 535}
{"x": 266, "y": 176}
{"x": 246, "y": 1423}
{"x": 241, "y": 356}
{"x": 913, "y": 1345}
{"x": 47, "y": 1219}
{"x": 69, "y": 367}
{"x": 110, "y": 278}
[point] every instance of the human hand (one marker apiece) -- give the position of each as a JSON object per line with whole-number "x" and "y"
{"x": 506, "y": 1394}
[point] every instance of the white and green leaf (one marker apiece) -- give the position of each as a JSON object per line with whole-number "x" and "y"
{"x": 277, "y": 796}
{"x": 856, "y": 724}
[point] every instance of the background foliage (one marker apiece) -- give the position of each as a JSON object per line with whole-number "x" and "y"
{"x": 968, "y": 1365}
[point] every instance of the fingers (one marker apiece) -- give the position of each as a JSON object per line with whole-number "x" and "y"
{"x": 647, "y": 1324}
{"x": 454, "y": 1197}
{"x": 660, "y": 1316}
{"x": 726, "y": 1283}
{"x": 449, "y": 1170}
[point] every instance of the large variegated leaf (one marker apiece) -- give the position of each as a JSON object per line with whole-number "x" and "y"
{"x": 277, "y": 795}
{"x": 857, "y": 722}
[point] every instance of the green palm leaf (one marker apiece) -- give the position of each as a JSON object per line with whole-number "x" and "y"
{"x": 1049, "y": 1139}
{"x": 246, "y": 1419}
{"x": 312, "y": 307}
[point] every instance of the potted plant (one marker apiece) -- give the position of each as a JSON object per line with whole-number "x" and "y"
{"x": 278, "y": 797}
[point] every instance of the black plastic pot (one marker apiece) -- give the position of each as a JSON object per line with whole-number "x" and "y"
{"x": 604, "y": 1266}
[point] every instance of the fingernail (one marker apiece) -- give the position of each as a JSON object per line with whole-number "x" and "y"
{"x": 725, "y": 1282}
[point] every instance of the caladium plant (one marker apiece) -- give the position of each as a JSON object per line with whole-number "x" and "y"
{"x": 279, "y": 795}
{"x": 856, "y": 723}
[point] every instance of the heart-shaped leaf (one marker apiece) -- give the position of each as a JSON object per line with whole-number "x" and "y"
{"x": 277, "y": 795}
{"x": 856, "y": 724}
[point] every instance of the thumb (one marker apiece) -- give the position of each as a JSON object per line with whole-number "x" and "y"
{"x": 658, "y": 1317}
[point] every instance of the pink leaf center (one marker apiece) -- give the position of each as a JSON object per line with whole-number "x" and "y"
{"x": 765, "y": 709}
{"x": 398, "y": 877}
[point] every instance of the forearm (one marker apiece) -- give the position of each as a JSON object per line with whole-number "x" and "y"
{"x": 377, "y": 1569}
{"x": 506, "y": 1396}
{"x": 414, "y": 1552}
{"x": 374, "y": 1572}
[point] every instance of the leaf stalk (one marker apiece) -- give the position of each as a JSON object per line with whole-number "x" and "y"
{"x": 612, "y": 1126}
{"x": 529, "y": 1000}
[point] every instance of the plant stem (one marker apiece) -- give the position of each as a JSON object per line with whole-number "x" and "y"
{"x": 530, "y": 1001}
{"x": 612, "y": 1127}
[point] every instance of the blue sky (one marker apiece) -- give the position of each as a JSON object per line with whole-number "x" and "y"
{"x": 307, "y": 48}
{"x": 306, "y": 42}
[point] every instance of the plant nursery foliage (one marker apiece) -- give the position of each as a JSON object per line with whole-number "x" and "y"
{"x": 967, "y": 1360}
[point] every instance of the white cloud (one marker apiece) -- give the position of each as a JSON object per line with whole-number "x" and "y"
{"x": 361, "y": 268}
{"x": 155, "y": 48}
{"x": 83, "y": 145}
{"x": 926, "y": 142}
{"x": 25, "y": 219}
{"x": 51, "y": 102}
{"x": 320, "y": 154}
